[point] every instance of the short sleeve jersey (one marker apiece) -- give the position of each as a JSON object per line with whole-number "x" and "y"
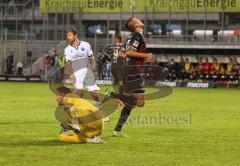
{"x": 136, "y": 42}
{"x": 79, "y": 56}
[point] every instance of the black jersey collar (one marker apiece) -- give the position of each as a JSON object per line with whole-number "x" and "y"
{"x": 77, "y": 46}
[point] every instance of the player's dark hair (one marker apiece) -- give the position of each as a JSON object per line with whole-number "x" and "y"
{"x": 73, "y": 31}
{"x": 119, "y": 37}
{"x": 64, "y": 90}
{"x": 129, "y": 24}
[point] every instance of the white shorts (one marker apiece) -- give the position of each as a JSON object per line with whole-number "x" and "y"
{"x": 85, "y": 79}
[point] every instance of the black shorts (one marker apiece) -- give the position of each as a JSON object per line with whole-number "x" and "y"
{"x": 117, "y": 75}
{"x": 134, "y": 84}
{"x": 132, "y": 80}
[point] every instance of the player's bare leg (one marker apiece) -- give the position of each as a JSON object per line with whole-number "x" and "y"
{"x": 79, "y": 93}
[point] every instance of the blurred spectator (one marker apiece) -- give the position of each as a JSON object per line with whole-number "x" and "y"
{"x": 108, "y": 64}
{"x": 172, "y": 68}
{"x": 232, "y": 70}
{"x": 207, "y": 67}
{"x": 229, "y": 68}
{"x": 236, "y": 66}
{"x": 198, "y": 69}
{"x": 188, "y": 69}
{"x": 107, "y": 73}
{"x": 113, "y": 62}
{"x": 218, "y": 70}
{"x": 217, "y": 67}
{"x": 179, "y": 69}
{"x": 29, "y": 58}
{"x": 47, "y": 63}
{"x": 105, "y": 65}
{"x": 99, "y": 65}
{"x": 117, "y": 61}
{"x": 20, "y": 69}
{"x": 10, "y": 63}
{"x": 61, "y": 63}
{"x": 53, "y": 65}
{"x": 236, "y": 69}
{"x": 199, "y": 65}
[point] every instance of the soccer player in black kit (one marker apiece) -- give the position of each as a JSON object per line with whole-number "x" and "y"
{"x": 131, "y": 88}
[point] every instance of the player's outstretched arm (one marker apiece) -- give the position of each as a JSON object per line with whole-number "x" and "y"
{"x": 92, "y": 62}
{"x": 70, "y": 70}
{"x": 148, "y": 57}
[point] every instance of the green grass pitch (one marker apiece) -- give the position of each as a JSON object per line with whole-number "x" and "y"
{"x": 209, "y": 135}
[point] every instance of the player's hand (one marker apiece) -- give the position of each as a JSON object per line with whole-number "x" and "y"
{"x": 150, "y": 58}
{"x": 122, "y": 54}
{"x": 72, "y": 77}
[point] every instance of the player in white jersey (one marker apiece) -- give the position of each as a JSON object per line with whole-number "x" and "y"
{"x": 80, "y": 65}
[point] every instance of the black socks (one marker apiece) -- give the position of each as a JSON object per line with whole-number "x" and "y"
{"x": 123, "y": 117}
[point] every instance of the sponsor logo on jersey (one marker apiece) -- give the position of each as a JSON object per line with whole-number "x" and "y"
{"x": 135, "y": 43}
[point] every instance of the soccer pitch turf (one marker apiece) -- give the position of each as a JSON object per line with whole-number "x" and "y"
{"x": 208, "y": 136}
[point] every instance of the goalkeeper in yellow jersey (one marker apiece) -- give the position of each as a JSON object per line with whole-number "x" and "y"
{"x": 82, "y": 122}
